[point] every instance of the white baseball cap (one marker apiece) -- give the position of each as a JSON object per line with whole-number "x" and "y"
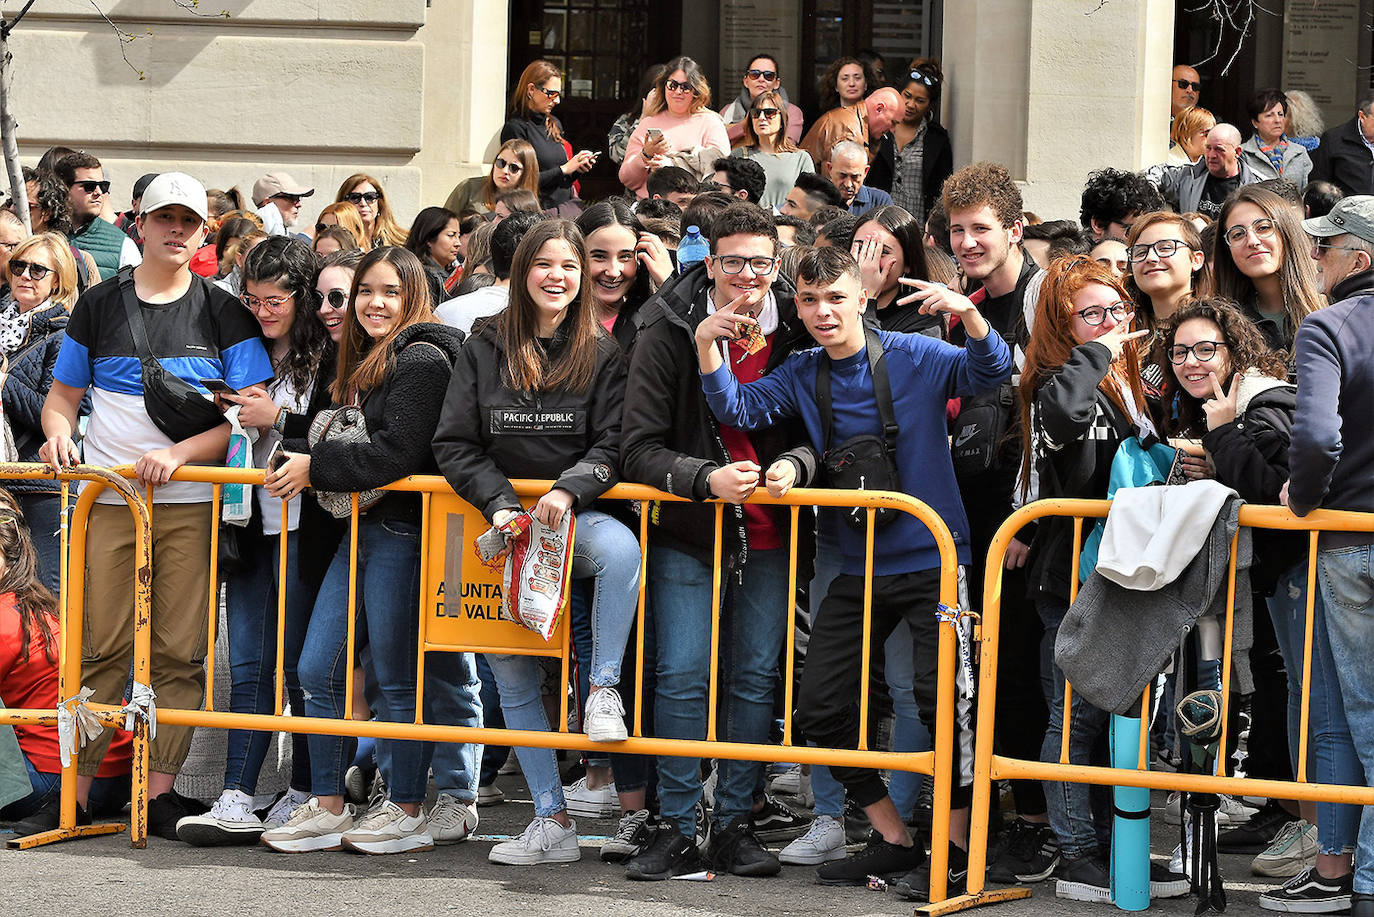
{"x": 175, "y": 188}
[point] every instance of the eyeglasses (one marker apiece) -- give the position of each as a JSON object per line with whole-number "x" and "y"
{"x": 675, "y": 86}
{"x": 1202, "y": 350}
{"x": 357, "y": 197}
{"x": 336, "y": 299}
{"x": 515, "y": 167}
{"x": 1319, "y": 247}
{"x": 1263, "y": 229}
{"x": 90, "y": 186}
{"x": 1164, "y": 248}
{"x": 927, "y": 79}
{"x": 9, "y": 246}
{"x": 271, "y": 304}
{"x": 550, "y": 93}
{"x": 734, "y": 264}
{"x": 1096, "y": 315}
{"x": 1188, "y": 84}
{"x": 35, "y": 271}
{"x": 292, "y": 198}
{"x": 769, "y": 75}
{"x": 766, "y": 113}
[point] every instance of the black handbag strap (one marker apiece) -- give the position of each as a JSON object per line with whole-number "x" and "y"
{"x": 882, "y": 393}
{"x": 135, "y": 315}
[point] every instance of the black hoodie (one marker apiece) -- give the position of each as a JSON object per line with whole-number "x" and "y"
{"x": 401, "y": 415}
{"x": 489, "y": 432}
{"x": 672, "y": 440}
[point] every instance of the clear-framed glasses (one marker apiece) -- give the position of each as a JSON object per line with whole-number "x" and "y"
{"x": 1096, "y": 315}
{"x": 1202, "y": 350}
{"x": 1263, "y": 228}
{"x": 734, "y": 264}
{"x": 271, "y": 304}
{"x": 1321, "y": 246}
{"x": 1164, "y": 248}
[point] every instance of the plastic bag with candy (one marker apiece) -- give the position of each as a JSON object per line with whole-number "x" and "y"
{"x": 537, "y": 570}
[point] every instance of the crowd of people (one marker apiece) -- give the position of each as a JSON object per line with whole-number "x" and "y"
{"x": 866, "y": 317}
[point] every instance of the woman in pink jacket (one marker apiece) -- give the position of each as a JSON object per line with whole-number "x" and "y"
{"x": 680, "y": 130}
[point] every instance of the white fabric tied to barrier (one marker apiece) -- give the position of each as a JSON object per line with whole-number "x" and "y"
{"x": 75, "y": 719}
{"x": 141, "y": 705}
{"x": 955, "y": 618}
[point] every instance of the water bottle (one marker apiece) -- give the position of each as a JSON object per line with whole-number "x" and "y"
{"x": 692, "y": 250}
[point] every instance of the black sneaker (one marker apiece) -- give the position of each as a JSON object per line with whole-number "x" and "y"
{"x": 1361, "y": 905}
{"x": 171, "y": 807}
{"x": 877, "y": 858}
{"x": 1309, "y": 893}
{"x": 776, "y": 823}
{"x": 1255, "y": 833}
{"x": 46, "y": 819}
{"x": 669, "y": 855}
{"x": 736, "y": 850}
{"x": 633, "y": 836}
{"x": 1029, "y": 853}
{"x": 915, "y": 885}
{"x": 1084, "y": 878}
{"x": 857, "y": 827}
{"x": 1165, "y": 883}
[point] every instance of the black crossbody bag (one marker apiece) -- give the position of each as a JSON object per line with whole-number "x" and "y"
{"x": 865, "y": 462}
{"x": 176, "y": 407}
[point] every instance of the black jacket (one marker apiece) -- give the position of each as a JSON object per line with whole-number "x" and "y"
{"x": 937, "y": 163}
{"x": 554, "y": 187}
{"x": 1342, "y": 157}
{"x": 26, "y": 385}
{"x": 401, "y": 415}
{"x": 672, "y": 440}
{"x": 1076, "y": 430}
{"x": 489, "y": 432}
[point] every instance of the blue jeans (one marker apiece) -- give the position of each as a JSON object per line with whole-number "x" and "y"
{"x": 1346, "y": 578}
{"x": 493, "y": 756}
{"x": 754, "y": 605}
{"x": 250, "y": 600}
{"x": 1079, "y": 814}
{"x": 388, "y": 586}
{"x": 108, "y": 796}
{"x": 580, "y": 620}
{"x": 1331, "y": 751}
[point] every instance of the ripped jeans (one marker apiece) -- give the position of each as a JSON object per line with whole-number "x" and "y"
{"x": 606, "y": 551}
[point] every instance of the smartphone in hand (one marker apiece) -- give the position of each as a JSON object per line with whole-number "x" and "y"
{"x": 219, "y": 387}
{"x": 277, "y": 457}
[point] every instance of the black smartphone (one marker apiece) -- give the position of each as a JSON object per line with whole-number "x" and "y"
{"x": 219, "y": 387}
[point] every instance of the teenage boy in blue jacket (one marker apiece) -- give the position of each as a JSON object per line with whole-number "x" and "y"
{"x": 923, "y": 373}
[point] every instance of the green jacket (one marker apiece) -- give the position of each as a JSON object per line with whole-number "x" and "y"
{"x": 104, "y": 241}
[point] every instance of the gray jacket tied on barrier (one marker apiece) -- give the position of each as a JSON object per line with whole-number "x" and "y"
{"x": 1115, "y": 640}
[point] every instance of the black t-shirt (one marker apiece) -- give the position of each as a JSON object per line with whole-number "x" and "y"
{"x": 1215, "y": 192}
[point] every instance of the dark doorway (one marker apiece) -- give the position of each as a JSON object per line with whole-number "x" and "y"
{"x": 603, "y": 48}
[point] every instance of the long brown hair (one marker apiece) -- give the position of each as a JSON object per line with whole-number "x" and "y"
{"x": 1201, "y": 278}
{"x": 364, "y": 361}
{"x": 36, "y": 605}
{"x": 538, "y": 72}
{"x": 385, "y": 229}
{"x": 1297, "y": 272}
{"x": 1052, "y": 343}
{"x": 1246, "y": 350}
{"x": 347, "y": 216}
{"x": 783, "y": 143}
{"x": 529, "y": 171}
{"x": 527, "y": 367}
{"x": 690, "y": 69}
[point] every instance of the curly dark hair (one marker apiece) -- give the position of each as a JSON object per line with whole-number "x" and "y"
{"x": 1111, "y": 195}
{"x": 52, "y": 200}
{"x": 1246, "y": 352}
{"x": 825, "y": 89}
{"x": 984, "y": 183}
{"x": 289, "y": 263}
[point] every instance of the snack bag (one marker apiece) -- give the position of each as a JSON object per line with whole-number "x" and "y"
{"x": 537, "y": 570}
{"x": 236, "y": 500}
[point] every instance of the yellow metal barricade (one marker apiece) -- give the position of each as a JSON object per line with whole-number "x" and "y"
{"x": 71, "y": 621}
{"x": 470, "y": 622}
{"x": 990, "y": 767}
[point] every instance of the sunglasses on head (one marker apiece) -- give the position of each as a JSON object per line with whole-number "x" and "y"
{"x": 675, "y": 86}
{"x": 321, "y": 227}
{"x": 337, "y": 299}
{"x": 90, "y": 186}
{"x": 35, "y": 271}
{"x": 1189, "y": 84}
{"x": 357, "y": 197}
{"x": 769, "y": 75}
{"x": 925, "y": 79}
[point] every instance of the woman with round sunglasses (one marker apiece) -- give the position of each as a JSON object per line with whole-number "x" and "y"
{"x": 762, "y": 75}
{"x": 915, "y": 158}
{"x": 767, "y": 140}
{"x": 1231, "y": 391}
{"x": 514, "y": 166}
{"x": 379, "y": 224}
{"x": 1262, "y": 262}
{"x": 41, "y": 276}
{"x": 530, "y": 118}
{"x": 680, "y": 129}
{"x": 278, "y": 291}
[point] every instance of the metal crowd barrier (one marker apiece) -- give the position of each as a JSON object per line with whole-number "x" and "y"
{"x": 990, "y": 767}
{"x": 445, "y": 518}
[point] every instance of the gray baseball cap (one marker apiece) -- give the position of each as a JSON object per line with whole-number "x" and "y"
{"x": 1354, "y": 214}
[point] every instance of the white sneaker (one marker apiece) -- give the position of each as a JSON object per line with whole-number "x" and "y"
{"x": 604, "y": 718}
{"x": 823, "y": 841}
{"x": 1231, "y": 812}
{"x": 281, "y": 810}
{"x": 309, "y": 828}
{"x": 490, "y": 795}
{"x": 793, "y": 782}
{"x": 1293, "y": 849}
{"x": 388, "y": 829}
{"x": 452, "y": 821}
{"x": 544, "y": 841}
{"x": 230, "y": 821}
{"x": 588, "y": 803}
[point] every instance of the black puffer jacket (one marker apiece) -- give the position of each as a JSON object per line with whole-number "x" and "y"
{"x": 26, "y": 384}
{"x": 489, "y": 432}
{"x": 401, "y": 415}
{"x": 672, "y": 440}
